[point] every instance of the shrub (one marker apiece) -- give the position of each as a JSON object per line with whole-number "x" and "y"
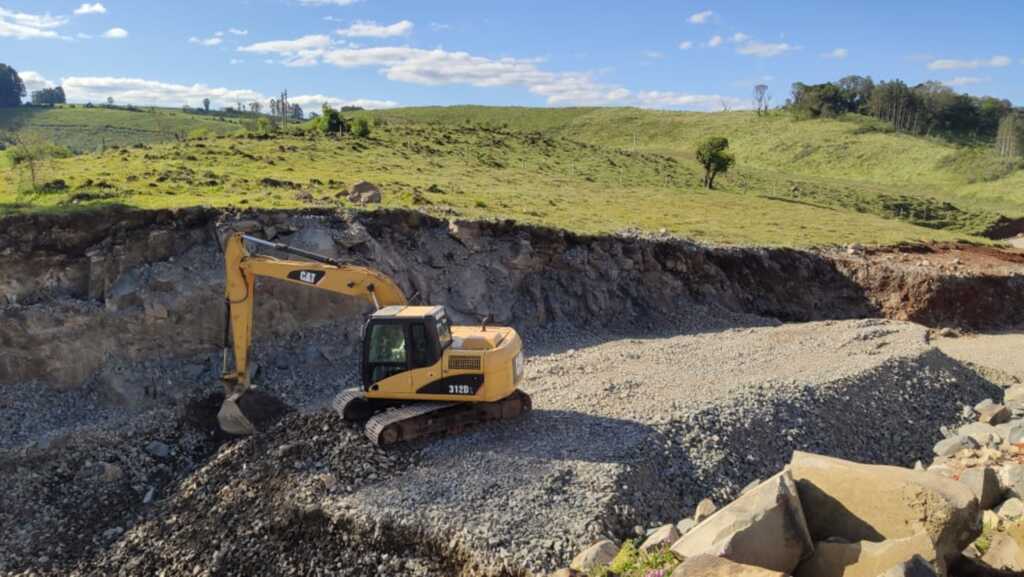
{"x": 330, "y": 122}
{"x": 361, "y": 128}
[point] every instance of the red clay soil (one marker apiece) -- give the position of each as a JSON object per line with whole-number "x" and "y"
{"x": 963, "y": 285}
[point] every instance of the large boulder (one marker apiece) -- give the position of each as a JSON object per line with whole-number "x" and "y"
{"x": 364, "y": 193}
{"x": 866, "y": 558}
{"x": 858, "y": 502}
{"x": 764, "y": 527}
{"x": 984, "y": 483}
{"x": 1011, "y": 480}
{"x": 1004, "y": 553}
{"x": 915, "y": 567}
{"x": 597, "y": 555}
{"x": 712, "y": 566}
{"x": 663, "y": 536}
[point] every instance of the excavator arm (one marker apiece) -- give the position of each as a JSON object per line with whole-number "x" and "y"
{"x": 241, "y": 270}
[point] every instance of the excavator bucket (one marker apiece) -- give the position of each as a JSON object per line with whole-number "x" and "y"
{"x": 250, "y": 412}
{"x": 231, "y": 419}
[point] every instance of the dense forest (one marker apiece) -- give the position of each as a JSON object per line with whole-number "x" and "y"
{"x": 930, "y": 108}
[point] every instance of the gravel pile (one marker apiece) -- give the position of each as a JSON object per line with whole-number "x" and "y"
{"x": 70, "y": 497}
{"x": 634, "y": 432}
{"x": 627, "y": 430}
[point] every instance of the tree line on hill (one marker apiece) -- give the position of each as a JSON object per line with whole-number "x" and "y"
{"x": 929, "y": 108}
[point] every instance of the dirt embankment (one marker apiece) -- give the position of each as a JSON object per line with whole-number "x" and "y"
{"x": 86, "y": 292}
{"x": 973, "y": 287}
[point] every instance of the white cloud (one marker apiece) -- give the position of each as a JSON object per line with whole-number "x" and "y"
{"x": 211, "y": 41}
{"x": 438, "y": 67}
{"x": 994, "y": 62}
{"x": 837, "y": 54}
{"x": 716, "y": 40}
{"x": 238, "y": 32}
{"x": 288, "y": 47}
{"x": 700, "y": 17}
{"x": 237, "y": 61}
{"x": 116, "y": 33}
{"x": 22, "y": 25}
{"x": 653, "y": 54}
{"x": 740, "y": 37}
{"x": 438, "y": 26}
{"x": 96, "y": 8}
{"x": 764, "y": 49}
{"x": 149, "y": 92}
{"x": 685, "y": 45}
{"x": 83, "y": 36}
{"x": 374, "y": 30}
{"x": 315, "y": 101}
{"x": 967, "y": 80}
{"x": 327, "y": 2}
{"x": 707, "y": 102}
{"x": 34, "y": 80}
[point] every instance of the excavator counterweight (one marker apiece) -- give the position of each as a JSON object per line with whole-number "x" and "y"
{"x": 419, "y": 374}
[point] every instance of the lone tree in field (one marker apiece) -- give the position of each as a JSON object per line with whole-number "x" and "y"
{"x": 714, "y": 156}
{"x": 206, "y": 104}
{"x": 11, "y": 87}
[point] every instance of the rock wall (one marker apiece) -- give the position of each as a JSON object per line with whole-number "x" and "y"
{"x": 83, "y": 290}
{"x": 78, "y": 291}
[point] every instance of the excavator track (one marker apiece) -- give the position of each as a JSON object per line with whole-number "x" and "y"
{"x": 423, "y": 419}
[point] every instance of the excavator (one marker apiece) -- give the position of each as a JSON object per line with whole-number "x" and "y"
{"x": 421, "y": 376}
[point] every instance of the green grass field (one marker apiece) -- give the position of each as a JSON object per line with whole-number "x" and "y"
{"x": 797, "y": 183}
{"x": 89, "y": 129}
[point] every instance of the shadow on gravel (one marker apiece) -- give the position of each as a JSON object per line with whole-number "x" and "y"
{"x": 557, "y": 435}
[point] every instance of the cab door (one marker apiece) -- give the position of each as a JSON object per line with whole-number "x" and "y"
{"x": 386, "y": 359}
{"x": 424, "y": 357}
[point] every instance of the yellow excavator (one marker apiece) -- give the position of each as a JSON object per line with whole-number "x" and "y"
{"x": 420, "y": 375}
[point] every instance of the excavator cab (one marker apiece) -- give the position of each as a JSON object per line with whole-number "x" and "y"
{"x": 398, "y": 339}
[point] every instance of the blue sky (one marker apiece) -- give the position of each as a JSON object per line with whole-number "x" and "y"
{"x": 381, "y": 53}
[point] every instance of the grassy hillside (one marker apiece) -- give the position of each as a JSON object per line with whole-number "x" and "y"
{"x": 453, "y": 170}
{"x": 853, "y": 154}
{"x": 88, "y": 129}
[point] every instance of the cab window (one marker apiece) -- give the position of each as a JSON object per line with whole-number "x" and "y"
{"x": 444, "y": 332}
{"x": 420, "y": 348}
{"x": 387, "y": 344}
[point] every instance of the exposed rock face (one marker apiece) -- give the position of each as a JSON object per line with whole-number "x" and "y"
{"x": 103, "y": 286}
{"x": 763, "y": 527}
{"x": 866, "y": 558}
{"x": 901, "y": 503}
